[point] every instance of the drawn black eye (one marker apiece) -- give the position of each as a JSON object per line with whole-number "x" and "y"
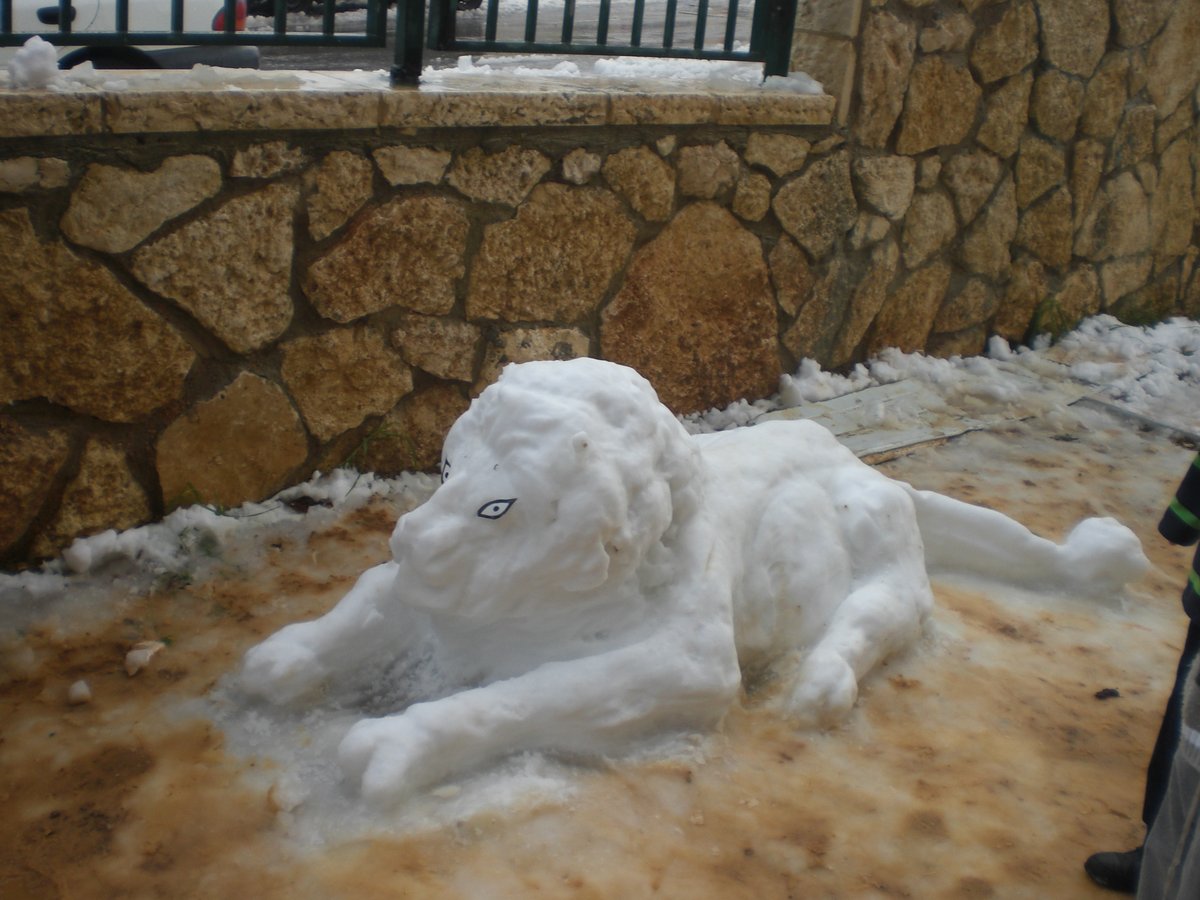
{"x": 494, "y": 509}
{"x": 445, "y": 470}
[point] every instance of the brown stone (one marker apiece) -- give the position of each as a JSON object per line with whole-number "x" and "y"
{"x": 74, "y": 335}
{"x": 553, "y": 262}
{"x": 1140, "y": 20}
{"x": 1087, "y": 167}
{"x": 506, "y": 177}
{"x": 791, "y": 274}
{"x": 341, "y": 377}
{"x": 928, "y": 227}
{"x": 782, "y": 154}
{"x": 940, "y": 108}
{"x": 752, "y": 199}
{"x": 962, "y": 343}
{"x": 443, "y": 347}
{"x": 580, "y": 166}
{"x": 410, "y": 437}
{"x": 1078, "y": 298}
{"x": 971, "y": 178}
{"x": 950, "y": 33}
{"x": 407, "y": 253}
{"x": 1172, "y": 127}
{"x": 1172, "y": 212}
{"x": 969, "y": 308}
{"x": 1151, "y": 304}
{"x": 1118, "y": 222}
{"x": 1104, "y": 99}
{"x": 1134, "y": 141}
{"x": 1023, "y": 294}
{"x": 1124, "y": 276}
{"x": 1007, "y": 47}
{"x": 115, "y": 209}
{"x": 1005, "y": 116}
{"x": 708, "y": 171}
{"x": 696, "y": 314}
{"x": 906, "y": 317}
{"x": 1041, "y": 166}
{"x": 818, "y": 207}
{"x": 267, "y": 160}
{"x": 1046, "y": 229}
{"x": 29, "y": 465}
{"x": 869, "y": 229}
{"x": 929, "y": 170}
{"x": 1173, "y": 65}
{"x": 518, "y": 345}
{"x": 412, "y": 165}
{"x": 642, "y": 177}
{"x": 1056, "y": 104}
{"x": 886, "y": 183}
{"x": 986, "y": 248}
{"x": 231, "y": 269}
{"x": 102, "y": 495}
{"x": 1074, "y": 34}
{"x": 29, "y": 173}
{"x": 341, "y": 185}
{"x": 811, "y": 335}
{"x": 888, "y": 45}
{"x": 866, "y": 301}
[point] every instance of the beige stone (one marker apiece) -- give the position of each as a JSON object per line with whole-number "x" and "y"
{"x": 1056, "y": 104}
{"x": 1134, "y": 141}
{"x": 866, "y": 301}
{"x": 407, "y": 253}
{"x": 242, "y": 445}
{"x": 1153, "y": 303}
{"x": 929, "y": 170}
{"x": 1173, "y": 65}
{"x": 818, "y": 207}
{"x": 1074, "y": 33}
{"x": 1008, "y": 46}
{"x": 886, "y": 183}
{"x": 791, "y": 274}
{"x": 940, "y": 107}
{"x": 666, "y": 145}
{"x": 103, "y": 494}
{"x": 1041, "y": 166}
{"x": 1173, "y": 126}
{"x": 28, "y": 173}
{"x": 412, "y": 165}
{"x": 443, "y": 347}
{"x": 30, "y": 461}
{"x": 341, "y": 377}
{"x": 1139, "y": 20}
{"x": 830, "y": 60}
{"x": 518, "y": 345}
{"x": 752, "y": 199}
{"x": 102, "y": 216}
{"x": 1124, "y": 276}
{"x": 888, "y": 45}
{"x": 1087, "y": 167}
{"x": 1147, "y": 176}
{"x": 409, "y": 439}
{"x": 340, "y": 185}
{"x": 642, "y": 177}
{"x": 986, "y": 247}
{"x": 1117, "y": 223}
{"x": 553, "y": 262}
{"x": 961, "y": 343}
{"x": 708, "y": 171}
{"x": 831, "y": 16}
{"x": 580, "y": 166}
{"x": 1172, "y": 212}
{"x": 781, "y": 154}
{"x": 686, "y": 295}
{"x": 1078, "y": 298}
{"x": 1046, "y": 229}
{"x": 1104, "y": 99}
{"x": 869, "y": 229}
{"x": 1023, "y": 294}
{"x": 950, "y": 33}
{"x": 812, "y": 334}
{"x": 971, "y": 178}
{"x": 505, "y": 177}
{"x": 1006, "y": 114}
{"x": 267, "y": 160}
{"x": 969, "y": 308}
{"x": 74, "y": 335}
{"x": 231, "y": 269}
{"x": 928, "y": 227}
{"x": 907, "y": 315}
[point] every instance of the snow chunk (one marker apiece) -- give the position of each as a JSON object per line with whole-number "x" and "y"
{"x": 35, "y": 65}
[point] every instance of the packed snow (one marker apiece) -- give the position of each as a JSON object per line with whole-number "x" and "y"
{"x": 35, "y": 65}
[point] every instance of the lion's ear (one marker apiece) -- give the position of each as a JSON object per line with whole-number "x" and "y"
{"x": 580, "y": 443}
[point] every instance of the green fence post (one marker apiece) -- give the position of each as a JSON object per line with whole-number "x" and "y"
{"x": 780, "y": 27}
{"x": 410, "y": 41}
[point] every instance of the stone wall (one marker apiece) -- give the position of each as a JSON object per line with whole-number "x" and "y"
{"x": 208, "y": 295}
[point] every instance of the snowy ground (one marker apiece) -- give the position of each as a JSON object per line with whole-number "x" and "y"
{"x": 981, "y": 763}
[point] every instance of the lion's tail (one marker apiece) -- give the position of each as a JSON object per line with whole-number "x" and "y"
{"x": 1099, "y": 556}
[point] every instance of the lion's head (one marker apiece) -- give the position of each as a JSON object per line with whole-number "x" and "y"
{"x": 560, "y": 478}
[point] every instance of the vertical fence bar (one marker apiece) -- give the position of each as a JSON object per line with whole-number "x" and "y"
{"x": 64, "y": 16}
{"x": 280, "y": 22}
{"x": 327, "y": 17}
{"x": 780, "y": 25}
{"x": 531, "y": 14}
{"x": 377, "y": 17}
{"x": 122, "y": 16}
{"x": 731, "y": 22}
{"x": 635, "y": 29}
{"x": 701, "y": 24}
{"x": 230, "y": 17}
{"x": 493, "y": 15}
{"x": 6, "y": 16}
{"x": 176, "y": 16}
{"x": 410, "y": 38}
{"x": 568, "y": 25}
{"x": 441, "y": 23}
{"x": 602, "y": 22}
{"x": 669, "y": 24}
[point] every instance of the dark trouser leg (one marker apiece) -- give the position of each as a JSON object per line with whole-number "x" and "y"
{"x": 1159, "y": 771}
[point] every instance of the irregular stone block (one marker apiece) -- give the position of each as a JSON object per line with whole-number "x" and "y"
{"x": 517, "y": 345}
{"x": 267, "y": 160}
{"x": 709, "y": 171}
{"x": 986, "y": 248}
{"x": 102, "y": 217}
{"x": 928, "y": 227}
{"x": 1026, "y": 290}
{"x": 1173, "y": 65}
{"x": 827, "y": 59}
{"x": 962, "y": 343}
{"x": 1056, "y": 103}
{"x": 28, "y": 173}
{"x": 75, "y": 335}
{"x": 950, "y": 33}
{"x": 1078, "y": 298}
{"x": 1172, "y": 212}
{"x": 906, "y": 317}
{"x": 969, "y": 308}
{"x": 554, "y": 261}
{"x": 580, "y": 166}
{"x": 342, "y": 185}
{"x": 865, "y": 302}
{"x": 1006, "y": 115}
{"x": 1040, "y": 167}
{"x": 242, "y": 445}
{"x": 412, "y": 165}
{"x": 1104, "y": 99}
{"x": 869, "y": 229}
{"x": 1124, "y": 276}
{"x": 1173, "y": 126}
{"x": 782, "y": 154}
{"x": 1087, "y": 167}
{"x": 888, "y": 45}
{"x": 811, "y": 336}
{"x": 407, "y": 253}
{"x": 929, "y": 170}
{"x": 940, "y": 107}
{"x": 1074, "y": 34}
{"x": 791, "y": 274}
{"x": 340, "y": 377}
{"x": 1117, "y": 223}
{"x": 818, "y": 207}
{"x": 409, "y": 439}
{"x": 1046, "y": 229}
{"x": 1139, "y": 20}
{"x": 1153, "y": 303}
{"x": 506, "y": 177}
{"x": 886, "y": 183}
{"x": 752, "y": 199}
{"x": 971, "y": 178}
{"x": 700, "y": 281}
{"x": 231, "y": 269}
{"x": 103, "y": 494}
{"x": 1134, "y": 141}
{"x": 29, "y": 464}
{"x": 832, "y": 16}
{"x": 647, "y": 182}
{"x": 442, "y": 347}
{"x": 1008, "y": 46}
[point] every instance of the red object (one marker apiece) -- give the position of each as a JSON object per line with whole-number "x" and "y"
{"x": 239, "y": 22}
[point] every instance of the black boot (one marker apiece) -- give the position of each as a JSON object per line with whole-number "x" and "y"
{"x": 1116, "y": 871}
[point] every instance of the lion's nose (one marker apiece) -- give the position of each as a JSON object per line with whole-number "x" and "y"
{"x": 428, "y": 545}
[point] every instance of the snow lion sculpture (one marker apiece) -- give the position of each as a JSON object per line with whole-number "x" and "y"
{"x": 588, "y": 574}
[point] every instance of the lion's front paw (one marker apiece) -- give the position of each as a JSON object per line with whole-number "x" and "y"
{"x": 826, "y": 689}
{"x": 388, "y": 758}
{"x": 281, "y": 670}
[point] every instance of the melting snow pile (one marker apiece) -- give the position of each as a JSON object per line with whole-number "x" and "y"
{"x": 35, "y": 65}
